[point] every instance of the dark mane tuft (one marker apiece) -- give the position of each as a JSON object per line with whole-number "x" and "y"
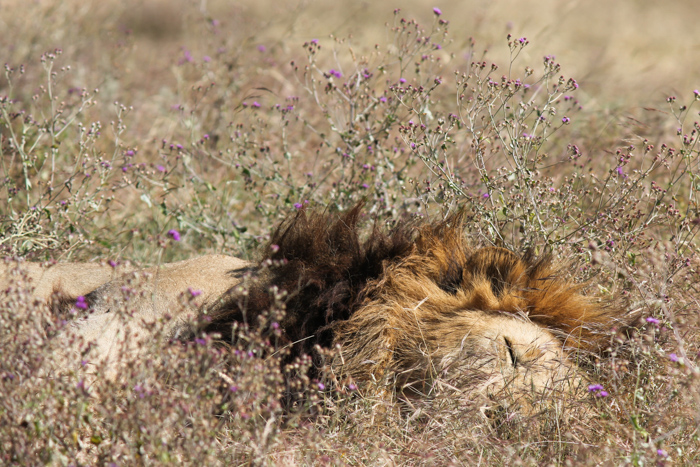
{"x": 324, "y": 266}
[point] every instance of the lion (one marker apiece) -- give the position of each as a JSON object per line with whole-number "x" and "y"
{"x": 409, "y": 310}
{"x": 418, "y": 307}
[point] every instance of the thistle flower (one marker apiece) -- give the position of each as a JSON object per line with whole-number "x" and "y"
{"x": 80, "y": 303}
{"x": 597, "y": 390}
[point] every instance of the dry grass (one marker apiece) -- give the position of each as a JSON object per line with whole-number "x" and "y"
{"x": 217, "y": 118}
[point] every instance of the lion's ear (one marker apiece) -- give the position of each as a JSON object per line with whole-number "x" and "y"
{"x": 451, "y": 277}
{"x": 502, "y": 268}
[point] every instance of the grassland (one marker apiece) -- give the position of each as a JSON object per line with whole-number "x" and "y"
{"x": 569, "y": 126}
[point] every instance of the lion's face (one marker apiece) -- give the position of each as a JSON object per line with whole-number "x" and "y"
{"x": 500, "y": 356}
{"x": 472, "y": 352}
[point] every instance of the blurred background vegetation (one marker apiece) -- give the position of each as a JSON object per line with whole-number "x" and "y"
{"x": 181, "y": 72}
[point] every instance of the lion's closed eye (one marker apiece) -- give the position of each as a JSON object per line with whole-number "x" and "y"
{"x": 511, "y": 353}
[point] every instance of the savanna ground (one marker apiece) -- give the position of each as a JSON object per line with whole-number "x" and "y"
{"x": 124, "y": 120}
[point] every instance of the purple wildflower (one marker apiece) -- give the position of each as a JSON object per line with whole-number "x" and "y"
{"x": 298, "y": 205}
{"x": 674, "y": 357}
{"x": 334, "y": 72}
{"x": 262, "y": 48}
{"x": 174, "y": 234}
{"x": 80, "y": 303}
{"x": 565, "y": 120}
{"x": 187, "y": 56}
{"x": 597, "y": 390}
{"x": 194, "y": 292}
{"x": 652, "y": 320}
{"x": 437, "y": 11}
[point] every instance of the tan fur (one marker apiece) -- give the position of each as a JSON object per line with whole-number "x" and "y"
{"x": 123, "y": 311}
{"x": 43, "y": 279}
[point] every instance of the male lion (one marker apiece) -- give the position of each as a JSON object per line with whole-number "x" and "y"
{"x": 418, "y": 306}
{"x": 410, "y": 309}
